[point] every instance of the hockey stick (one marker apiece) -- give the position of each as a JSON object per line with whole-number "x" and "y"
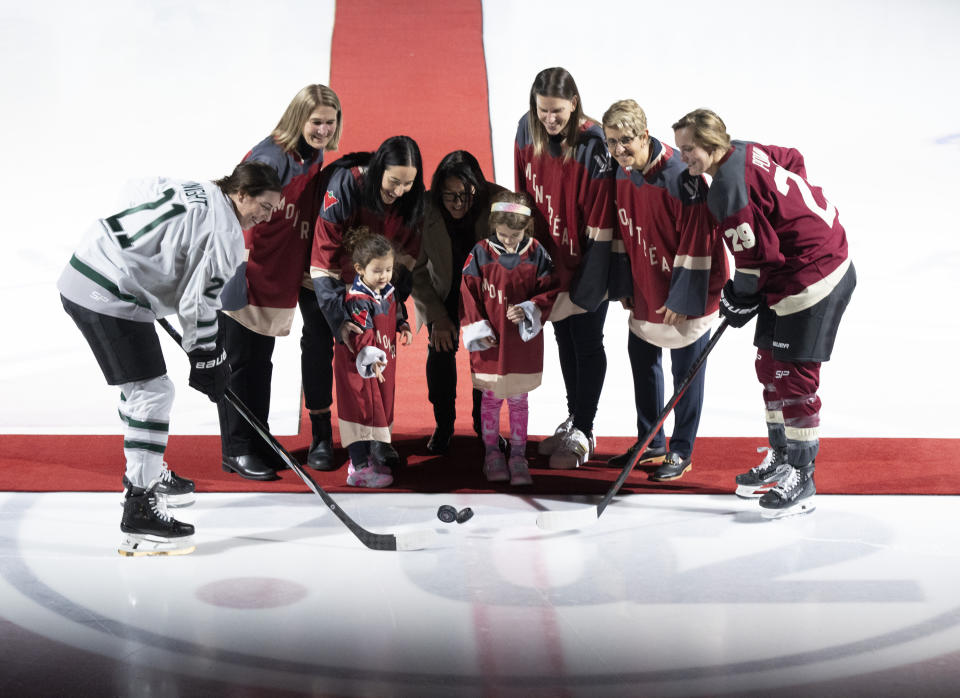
{"x": 579, "y": 518}
{"x": 415, "y": 540}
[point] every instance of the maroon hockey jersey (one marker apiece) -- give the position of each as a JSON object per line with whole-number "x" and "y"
{"x": 364, "y": 404}
{"x": 278, "y": 249}
{"x": 786, "y": 238}
{"x": 330, "y": 265}
{"x": 573, "y": 201}
{"x": 494, "y": 279}
{"x": 667, "y": 250}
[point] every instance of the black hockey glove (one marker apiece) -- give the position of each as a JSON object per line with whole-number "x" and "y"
{"x": 736, "y": 308}
{"x": 210, "y": 372}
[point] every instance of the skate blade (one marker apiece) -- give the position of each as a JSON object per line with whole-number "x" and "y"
{"x": 156, "y": 553}
{"x": 748, "y": 492}
{"x": 143, "y": 546}
{"x": 804, "y": 507}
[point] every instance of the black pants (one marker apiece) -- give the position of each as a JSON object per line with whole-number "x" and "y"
{"x": 583, "y": 363}
{"x": 250, "y": 355}
{"x": 442, "y": 388}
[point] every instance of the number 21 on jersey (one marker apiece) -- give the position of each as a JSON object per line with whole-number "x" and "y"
{"x": 148, "y": 216}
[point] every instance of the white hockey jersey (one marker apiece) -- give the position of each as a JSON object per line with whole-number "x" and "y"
{"x": 169, "y": 250}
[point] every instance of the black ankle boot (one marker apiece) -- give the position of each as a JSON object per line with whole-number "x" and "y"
{"x": 320, "y": 456}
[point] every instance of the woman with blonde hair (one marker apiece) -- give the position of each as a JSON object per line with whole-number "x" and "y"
{"x": 562, "y": 163}
{"x": 263, "y": 308}
{"x": 793, "y": 272}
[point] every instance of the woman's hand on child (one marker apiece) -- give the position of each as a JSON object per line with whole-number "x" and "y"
{"x": 406, "y": 336}
{"x": 347, "y": 330}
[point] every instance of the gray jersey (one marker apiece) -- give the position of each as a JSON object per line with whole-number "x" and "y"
{"x": 169, "y": 250}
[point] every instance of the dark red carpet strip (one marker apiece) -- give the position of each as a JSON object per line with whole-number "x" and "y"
{"x": 845, "y": 466}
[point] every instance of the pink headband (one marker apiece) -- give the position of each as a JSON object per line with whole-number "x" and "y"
{"x": 506, "y": 207}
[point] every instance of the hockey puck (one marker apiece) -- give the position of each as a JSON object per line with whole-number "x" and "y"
{"x": 447, "y": 514}
{"x": 464, "y": 515}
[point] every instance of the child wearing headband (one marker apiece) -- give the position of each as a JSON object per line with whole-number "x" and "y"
{"x": 507, "y": 291}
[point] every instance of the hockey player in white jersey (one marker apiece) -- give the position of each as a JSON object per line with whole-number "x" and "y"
{"x": 168, "y": 250}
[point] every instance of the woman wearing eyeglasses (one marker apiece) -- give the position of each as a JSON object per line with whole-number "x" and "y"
{"x": 562, "y": 162}
{"x": 672, "y": 265}
{"x": 455, "y": 219}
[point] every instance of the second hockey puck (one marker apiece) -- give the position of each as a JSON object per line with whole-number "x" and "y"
{"x": 447, "y": 514}
{"x": 464, "y": 515}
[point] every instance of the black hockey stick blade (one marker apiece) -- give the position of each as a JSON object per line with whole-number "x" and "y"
{"x": 413, "y": 540}
{"x": 581, "y": 518}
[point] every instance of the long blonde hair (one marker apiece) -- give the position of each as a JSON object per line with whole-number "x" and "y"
{"x": 290, "y": 127}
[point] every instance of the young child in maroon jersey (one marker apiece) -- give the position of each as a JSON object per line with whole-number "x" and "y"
{"x": 366, "y": 370}
{"x": 507, "y": 291}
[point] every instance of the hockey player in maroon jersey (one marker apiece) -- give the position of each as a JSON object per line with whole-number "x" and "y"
{"x": 507, "y": 292}
{"x": 383, "y": 191}
{"x": 561, "y": 161}
{"x": 262, "y": 309}
{"x": 366, "y": 369}
{"x": 671, "y": 265}
{"x": 169, "y": 250}
{"x": 793, "y": 273}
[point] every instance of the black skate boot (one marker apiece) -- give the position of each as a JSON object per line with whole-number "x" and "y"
{"x": 794, "y": 494}
{"x": 178, "y": 491}
{"x": 148, "y": 529}
{"x": 763, "y": 477}
{"x": 320, "y": 456}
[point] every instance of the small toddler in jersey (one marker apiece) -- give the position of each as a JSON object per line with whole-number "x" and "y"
{"x": 366, "y": 368}
{"x": 507, "y": 290}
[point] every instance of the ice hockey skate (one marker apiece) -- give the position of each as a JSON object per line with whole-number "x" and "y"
{"x": 148, "y": 529}
{"x": 793, "y": 495}
{"x": 178, "y": 491}
{"x": 765, "y": 476}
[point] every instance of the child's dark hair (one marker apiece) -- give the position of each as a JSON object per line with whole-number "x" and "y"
{"x": 364, "y": 245}
{"x": 511, "y": 212}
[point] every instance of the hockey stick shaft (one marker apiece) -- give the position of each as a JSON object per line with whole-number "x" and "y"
{"x": 374, "y": 541}
{"x": 668, "y": 408}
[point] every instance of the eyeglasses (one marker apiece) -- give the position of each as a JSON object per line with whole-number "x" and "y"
{"x": 456, "y": 197}
{"x": 622, "y": 140}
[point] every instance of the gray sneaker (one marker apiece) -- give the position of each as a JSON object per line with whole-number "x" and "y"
{"x": 765, "y": 476}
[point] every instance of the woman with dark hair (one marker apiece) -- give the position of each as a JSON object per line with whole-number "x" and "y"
{"x": 455, "y": 219}
{"x": 262, "y": 309}
{"x": 383, "y": 191}
{"x": 561, "y": 161}
{"x": 169, "y": 252}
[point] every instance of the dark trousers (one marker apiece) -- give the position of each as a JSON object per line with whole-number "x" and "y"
{"x": 583, "y": 363}
{"x": 441, "y": 372}
{"x": 250, "y": 356}
{"x": 647, "y": 367}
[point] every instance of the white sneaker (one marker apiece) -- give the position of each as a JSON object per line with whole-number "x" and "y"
{"x": 573, "y": 451}
{"x": 550, "y": 444}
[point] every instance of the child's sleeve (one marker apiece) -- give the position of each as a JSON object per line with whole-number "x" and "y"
{"x": 473, "y": 319}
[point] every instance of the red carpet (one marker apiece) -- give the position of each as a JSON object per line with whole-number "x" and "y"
{"x": 418, "y": 69}
{"x": 845, "y": 466}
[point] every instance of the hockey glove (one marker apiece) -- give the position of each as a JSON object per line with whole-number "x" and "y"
{"x": 736, "y": 308}
{"x": 210, "y": 372}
